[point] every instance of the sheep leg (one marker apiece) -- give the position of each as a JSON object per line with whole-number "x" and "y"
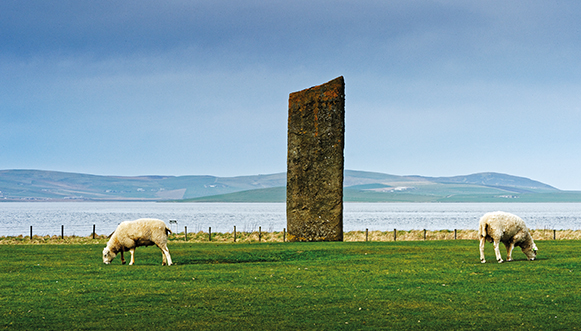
{"x": 169, "y": 262}
{"x": 509, "y": 249}
{"x": 163, "y": 258}
{"x": 482, "y": 241}
{"x": 165, "y": 254}
{"x": 132, "y": 256}
{"x": 497, "y": 251}
{"x": 122, "y": 258}
{"x": 167, "y": 257}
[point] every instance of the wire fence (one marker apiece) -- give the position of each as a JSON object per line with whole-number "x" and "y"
{"x": 91, "y": 231}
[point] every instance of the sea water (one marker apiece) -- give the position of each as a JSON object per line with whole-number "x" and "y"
{"x": 78, "y": 218}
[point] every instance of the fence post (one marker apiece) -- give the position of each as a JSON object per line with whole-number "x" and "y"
{"x": 554, "y": 234}
{"x": 424, "y": 234}
{"x": 366, "y": 234}
{"x": 31, "y": 232}
{"x": 210, "y": 234}
{"x": 234, "y": 233}
{"x": 186, "y": 233}
{"x": 283, "y": 234}
{"x": 454, "y": 234}
{"x": 62, "y": 232}
{"x": 93, "y": 231}
{"x": 394, "y": 234}
{"x": 259, "y": 233}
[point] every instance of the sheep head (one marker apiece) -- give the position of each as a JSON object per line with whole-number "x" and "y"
{"x": 108, "y": 255}
{"x": 530, "y": 248}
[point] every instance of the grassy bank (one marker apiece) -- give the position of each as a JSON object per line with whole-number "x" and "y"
{"x": 279, "y": 236}
{"x": 320, "y": 286}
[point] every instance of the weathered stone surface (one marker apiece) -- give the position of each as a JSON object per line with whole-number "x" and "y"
{"x": 316, "y": 132}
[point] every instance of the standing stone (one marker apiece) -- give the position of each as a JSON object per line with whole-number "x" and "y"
{"x": 316, "y": 132}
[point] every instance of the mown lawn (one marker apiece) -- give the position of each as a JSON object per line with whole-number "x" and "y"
{"x": 433, "y": 285}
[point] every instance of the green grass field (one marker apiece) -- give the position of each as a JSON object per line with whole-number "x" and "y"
{"x": 432, "y": 285}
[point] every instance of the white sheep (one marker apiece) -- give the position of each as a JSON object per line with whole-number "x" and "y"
{"x": 497, "y": 227}
{"x": 132, "y": 234}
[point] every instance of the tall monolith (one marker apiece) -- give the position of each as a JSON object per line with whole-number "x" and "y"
{"x": 316, "y": 140}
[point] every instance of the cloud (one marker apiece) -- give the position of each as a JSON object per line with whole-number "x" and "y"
{"x": 432, "y": 87}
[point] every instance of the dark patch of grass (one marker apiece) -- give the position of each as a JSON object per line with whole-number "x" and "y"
{"x": 322, "y": 286}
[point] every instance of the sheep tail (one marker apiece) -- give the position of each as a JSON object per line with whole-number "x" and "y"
{"x": 483, "y": 229}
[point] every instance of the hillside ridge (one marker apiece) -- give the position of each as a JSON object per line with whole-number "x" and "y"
{"x": 40, "y": 185}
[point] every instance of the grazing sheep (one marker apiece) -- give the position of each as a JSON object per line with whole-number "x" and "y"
{"x": 132, "y": 234}
{"x": 509, "y": 229}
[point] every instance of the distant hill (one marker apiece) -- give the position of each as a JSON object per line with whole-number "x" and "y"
{"x": 52, "y": 185}
{"x": 362, "y": 186}
{"x": 496, "y": 180}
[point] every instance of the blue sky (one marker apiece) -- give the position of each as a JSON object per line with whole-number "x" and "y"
{"x": 433, "y": 88}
